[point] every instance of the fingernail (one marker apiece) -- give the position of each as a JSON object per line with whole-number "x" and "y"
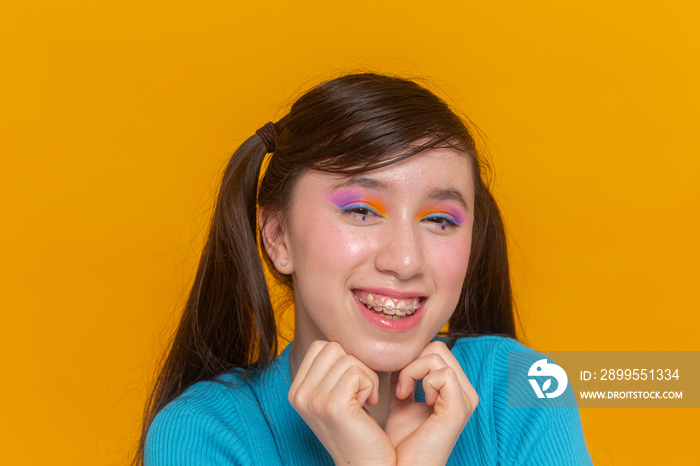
{"x": 398, "y": 388}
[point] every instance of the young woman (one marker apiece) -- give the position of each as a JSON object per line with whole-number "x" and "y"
{"x": 375, "y": 214}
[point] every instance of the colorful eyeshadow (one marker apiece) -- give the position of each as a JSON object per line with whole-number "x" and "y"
{"x": 452, "y": 215}
{"x": 348, "y": 199}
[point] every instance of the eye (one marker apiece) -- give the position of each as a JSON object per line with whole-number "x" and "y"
{"x": 361, "y": 211}
{"x": 444, "y": 221}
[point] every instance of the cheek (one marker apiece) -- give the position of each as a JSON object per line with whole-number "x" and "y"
{"x": 450, "y": 261}
{"x": 327, "y": 247}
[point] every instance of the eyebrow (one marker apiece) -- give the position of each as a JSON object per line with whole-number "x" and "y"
{"x": 364, "y": 182}
{"x": 448, "y": 194}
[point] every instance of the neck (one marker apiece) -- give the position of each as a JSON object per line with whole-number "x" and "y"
{"x": 380, "y": 413}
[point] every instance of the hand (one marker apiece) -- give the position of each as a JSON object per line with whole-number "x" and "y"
{"x": 426, "y": 433}
{"x": 329, "y": 392}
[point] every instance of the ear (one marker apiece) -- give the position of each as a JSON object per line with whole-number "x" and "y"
{"x": 275, "y": 241}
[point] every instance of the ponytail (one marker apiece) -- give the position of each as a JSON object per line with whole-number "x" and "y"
{"x": 228, "y": 321}
{"x": 486, "y": 304}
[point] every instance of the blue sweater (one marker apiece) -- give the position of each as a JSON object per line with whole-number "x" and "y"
{"x": 235, "y": 420}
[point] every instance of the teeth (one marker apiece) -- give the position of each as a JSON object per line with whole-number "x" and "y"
{"x": 391, "y": 309}
{"x": 401, "y": 308}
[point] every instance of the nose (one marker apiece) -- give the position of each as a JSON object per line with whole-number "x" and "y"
{"x": 400, "y": 251}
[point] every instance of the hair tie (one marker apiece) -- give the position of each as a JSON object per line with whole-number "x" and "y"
{"x": 268, "y": 134}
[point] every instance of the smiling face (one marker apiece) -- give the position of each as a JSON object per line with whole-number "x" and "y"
{"x": 378, "y": 259}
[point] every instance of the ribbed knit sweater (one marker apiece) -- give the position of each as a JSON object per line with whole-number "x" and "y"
{"x": 237, "y": 420}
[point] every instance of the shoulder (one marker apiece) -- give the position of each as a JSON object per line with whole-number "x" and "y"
{"x": 204, "y": 425}
{"x": 486, "y": 344}
{"x": 527, "y": 430}
{"x": 484, "y": 359}
{"x": 238, "y": 418}
{"x": 485, "y": 356}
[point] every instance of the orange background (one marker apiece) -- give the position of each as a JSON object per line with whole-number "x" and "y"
{"x": 117, "y": 118}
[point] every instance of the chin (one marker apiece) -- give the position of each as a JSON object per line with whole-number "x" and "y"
{"x": 388, "y": 361}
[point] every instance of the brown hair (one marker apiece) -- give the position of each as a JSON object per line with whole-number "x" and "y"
{"x": 347, "y": 125}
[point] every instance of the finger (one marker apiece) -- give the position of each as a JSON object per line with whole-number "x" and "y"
{"x": 317, "y": 364}
{"x": 439, "y": 348}
{"x": 322, "y": 369}
{"x": 323, "y": 361}
{"x": 394, "y": 400}
{"x": 330, "y": 377}
{"x": 309, "y": 358}
{"x": 443, "y": 383}
{"x": 417, "y": 370}
{"x": 444, "y": 392}
{"x": 353, "y": 385}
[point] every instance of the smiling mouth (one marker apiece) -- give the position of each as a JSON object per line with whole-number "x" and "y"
{"x": 390, "y": 308}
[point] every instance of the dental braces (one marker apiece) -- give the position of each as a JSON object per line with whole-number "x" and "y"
{"x": 388, "y": 308}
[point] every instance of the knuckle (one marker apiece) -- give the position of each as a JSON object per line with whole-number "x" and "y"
{"x": 436, "y": 347}
{"x": 348, "y": 360}
{"x": 318, "y": 345}
{"x": 334, "y": 348}
{"x": 335, "y": 410}
{"x": 473, "y": 397}
{"x": 437, "y": 360}
{"x": 327, "y": 408}
{"x": 449, "y": 372}
{"x": 316, "y": 404}
{"x": 356, "y": 372}
{"x": 297, "y": 399}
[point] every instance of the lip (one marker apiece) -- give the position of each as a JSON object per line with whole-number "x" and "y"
{"x": 392, "y": 325}
{"x": 391, "y": 292}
